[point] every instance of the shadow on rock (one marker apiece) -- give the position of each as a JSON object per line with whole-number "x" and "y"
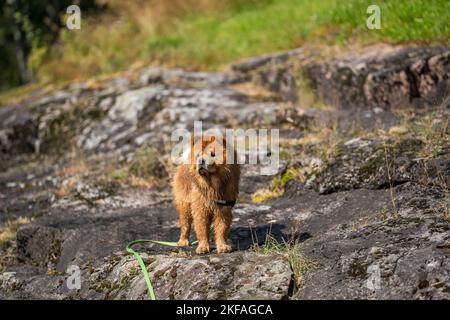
{"x": 243, "y": 238}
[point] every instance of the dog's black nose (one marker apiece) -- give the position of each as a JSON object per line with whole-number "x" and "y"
{"x": 202, "y": 167}
{"x": 201, "y": 164}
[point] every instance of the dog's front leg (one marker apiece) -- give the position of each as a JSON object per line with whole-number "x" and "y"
{"x": 222, "y": 222}
{"x": 202, "y": 223}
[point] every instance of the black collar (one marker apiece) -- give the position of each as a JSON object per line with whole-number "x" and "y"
{"x": 225, "y": 203}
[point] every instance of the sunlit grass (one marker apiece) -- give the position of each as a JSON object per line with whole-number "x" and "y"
{"x": 418, "y": 20}
{"x": 291, "y": 249}
{"x": 9, "y": 230}
{"x": 207, "y": 34}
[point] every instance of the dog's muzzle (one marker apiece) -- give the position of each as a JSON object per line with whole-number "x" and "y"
{"x": 202, "y": 167}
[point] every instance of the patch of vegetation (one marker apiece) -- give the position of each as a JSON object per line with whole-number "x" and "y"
{"x": 266, "y": 194}
{"x": 290, "y": 174}
{"x": 384, "y": 212}
{"x": 224, "y": 36}
{"x": 105, "y": 176}
{"x": 8, "y": 256}
{"x": 147, "y": 163}
{"x": 209, "y": 34}
{"x": 8, "y": 232}
{"x": 16, "y": 94}
{"x": 402, "y": 20}
{"x": 123, "y": 176}
{"x": 322, "y": 142}
{"x": 277, "y": 185}
{"x": 300, "y": 264}
{"x": 358, "y": 268}
{"x": 447, "y": 211}
{"x": 385, "y": 153}
{"x": 434, "y": 131}
{"x": 146, "y": 169}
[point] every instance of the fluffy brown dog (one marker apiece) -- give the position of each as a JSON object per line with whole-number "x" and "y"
{"x": 205, "y": 191}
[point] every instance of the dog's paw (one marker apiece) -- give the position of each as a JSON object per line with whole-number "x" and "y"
{"x": 223, "y": 248}
{"x": 183, "y": 243}
{"x": 202, "y": 248}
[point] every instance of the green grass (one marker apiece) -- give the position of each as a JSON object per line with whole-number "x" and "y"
{"x": 14, "y": 95}
{"x": 402, "y": 21}
{"x": 207, "y": 34}
{"x": 300, "y": 264}
{"x": 223, "y": 36}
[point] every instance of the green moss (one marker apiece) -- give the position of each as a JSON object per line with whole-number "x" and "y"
{"x": 290, "y": 174}
{"x": 277, "y": 185}
{"x": 370, "y": 167}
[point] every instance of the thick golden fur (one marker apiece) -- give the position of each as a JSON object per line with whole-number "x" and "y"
{"x": 195, "y": 191}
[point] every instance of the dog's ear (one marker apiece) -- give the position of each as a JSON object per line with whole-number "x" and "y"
{"x": 208, "y": 139}
{"x": 213, "y": 138}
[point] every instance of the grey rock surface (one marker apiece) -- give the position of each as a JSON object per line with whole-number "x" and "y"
{"x": 365, "y": 206}
{"x": 403, "y": 257}
{"x": 388, "y": 78}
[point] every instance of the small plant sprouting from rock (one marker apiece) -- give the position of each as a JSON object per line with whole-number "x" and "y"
{"x": 384, "y": 212}
{"x": 446, "y": 208}
{"x": 433, "y": 129}
{"x": 291, "y": 249}
{"x": 389, "y": 168}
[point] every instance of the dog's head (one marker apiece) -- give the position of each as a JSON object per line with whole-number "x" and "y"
{"x": 208, "y": 155}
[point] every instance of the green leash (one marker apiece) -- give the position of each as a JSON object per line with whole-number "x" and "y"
{"x": 138, "y": 257}
{"x": 151, "y": 292}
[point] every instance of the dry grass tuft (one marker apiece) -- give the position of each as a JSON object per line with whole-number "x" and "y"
{"x": 300, "y": 264}
{"x": 254, "y": 91}
{"x": 8, "y": 232}
{"x": 262, "y": 195}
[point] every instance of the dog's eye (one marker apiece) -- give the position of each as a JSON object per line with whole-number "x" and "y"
{"x": 213, "y": 154}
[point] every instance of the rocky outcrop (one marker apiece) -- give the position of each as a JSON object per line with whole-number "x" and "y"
{"x": 391, "y": 78}
{"x": 239, "y": 275}
{"x": 400, "y": 257}
{"x": 277, "y": 72}
{"x": 386, "y": 77}
{"x": 372, "y": 164}
{"x": 371, "y": 211}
